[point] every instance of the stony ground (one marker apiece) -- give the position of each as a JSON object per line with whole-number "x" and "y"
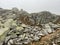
{"x": 49, "y": 39}
{"x": 21, "y": 28}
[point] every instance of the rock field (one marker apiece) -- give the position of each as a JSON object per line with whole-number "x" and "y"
{"x": 17, "y": 27}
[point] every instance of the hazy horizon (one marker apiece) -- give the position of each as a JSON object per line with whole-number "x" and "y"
{"x": 32, "y": 5}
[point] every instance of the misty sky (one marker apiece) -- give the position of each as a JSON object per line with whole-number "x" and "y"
{"x": 33, "y": 5}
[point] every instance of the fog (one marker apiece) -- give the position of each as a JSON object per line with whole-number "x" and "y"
{"x": 32, "y": 5}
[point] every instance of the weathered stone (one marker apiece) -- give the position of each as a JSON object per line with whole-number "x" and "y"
{"x": 22, "y": 28}
{"x": 36, "y": 38}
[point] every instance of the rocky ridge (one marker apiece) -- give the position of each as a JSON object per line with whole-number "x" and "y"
{"x": 20, "y": 28}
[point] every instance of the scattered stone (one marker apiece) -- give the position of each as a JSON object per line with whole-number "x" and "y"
{"x": 24, "y": 28}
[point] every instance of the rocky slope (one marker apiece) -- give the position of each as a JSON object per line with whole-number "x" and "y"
{"x": 17, "y": 27}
